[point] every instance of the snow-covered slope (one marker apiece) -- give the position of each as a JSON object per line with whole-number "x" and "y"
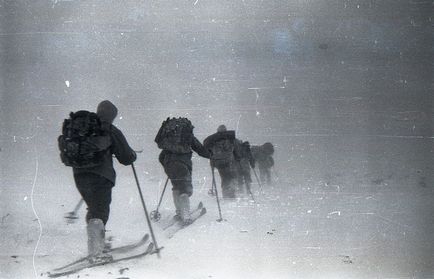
{"x": 292, "y": 231}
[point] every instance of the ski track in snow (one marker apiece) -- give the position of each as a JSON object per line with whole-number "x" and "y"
{"x": 35, "y": 178}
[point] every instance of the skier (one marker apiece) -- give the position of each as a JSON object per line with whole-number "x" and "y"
{"x": 243, "y": 166}
{"x": 177, "y": 141}
{"x": 263, "y": 155}
{"x": 224, "y": 152}
{"x": 95, "y": 180}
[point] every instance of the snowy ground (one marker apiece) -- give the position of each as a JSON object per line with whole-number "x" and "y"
{"x": 339, "y": 220}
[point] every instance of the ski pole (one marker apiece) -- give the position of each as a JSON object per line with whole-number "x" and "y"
{"x": 77, "y": 207}
{"x": 71, "y": 216}
{"x": 216, "y": 194}
{"x": 155, "y": 215}
{"x": 250, "y": 192}
{"x": 257, "y": 179}
{"x": 146, "y": 211}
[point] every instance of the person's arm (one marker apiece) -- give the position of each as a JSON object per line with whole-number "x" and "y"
{"x": 208, "y": 142}
{"x": 120, "y": 148}
{"x": 199, "y": 148}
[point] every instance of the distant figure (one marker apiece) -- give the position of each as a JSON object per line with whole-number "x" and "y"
{"x": 263, "y": 156}
{"x": 243, "y": 166}
{"x": 87, "y": 144}
{"x": 222, "y": 148}
{"x": 177, "y": 140}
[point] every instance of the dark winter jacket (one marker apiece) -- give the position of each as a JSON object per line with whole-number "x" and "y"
{"x": 263, "y": 157}
{"x": 196, "y": 146}
{"x": 245, "y": 153}
{"x": 122, "y": 151}
{"x": 119, "y": 146}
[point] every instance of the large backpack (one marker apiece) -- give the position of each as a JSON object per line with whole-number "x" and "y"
{"x": 222, "y": 148}
{"x": 222, "y": 152}
{"x": 83, "y": 142}
{"x": 175, "y": 135}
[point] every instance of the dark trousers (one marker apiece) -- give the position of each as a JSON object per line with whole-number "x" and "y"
{"x": 265, "y": 175}
{"x": 180, "y": 176}
{"x": 228, "y": 175}
{"x": 243, "y": 172}
{"x": 96, "y": 191}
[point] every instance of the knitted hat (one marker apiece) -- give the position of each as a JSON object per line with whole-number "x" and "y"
{"x": 221, "y": 128}
{"x": 107, "y": 111}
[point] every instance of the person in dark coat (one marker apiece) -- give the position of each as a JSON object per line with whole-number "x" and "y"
{"x": 179, "y": 167}
{"x": 224, "y": 153}
{"x": 243, "y": 166}
{"x": 263, "y": 156}
{"x": 95, "y": 183}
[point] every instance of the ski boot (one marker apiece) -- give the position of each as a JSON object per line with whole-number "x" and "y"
{"x": 96, "y": 243}
{"x": 177, "y": 216}
{"x": 184, "y": 202}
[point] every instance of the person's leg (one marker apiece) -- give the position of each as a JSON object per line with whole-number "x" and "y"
{"x": 262, "y": 175}
{"x": 95, "y": 238}
{"x": 268, "y": 175}
{"x": 103, "y": 198}
{"x": 87, "y": 195}
{"x": 248, "y": 180}
{"x": 232, "y": 172}
{"x": 96, "y": 191}
{"x": 223, "y": 178}
{"x": 228, "y": 179}
{"x": 175, "y": 195}
{"x": 239, "y": 178}
{"x": 180, "y": 176}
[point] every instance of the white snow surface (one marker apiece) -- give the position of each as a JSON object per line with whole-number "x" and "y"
{"x": 324, "y": 227}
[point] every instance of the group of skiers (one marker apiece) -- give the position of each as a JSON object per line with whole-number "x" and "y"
{"x": 89, "y": 141}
